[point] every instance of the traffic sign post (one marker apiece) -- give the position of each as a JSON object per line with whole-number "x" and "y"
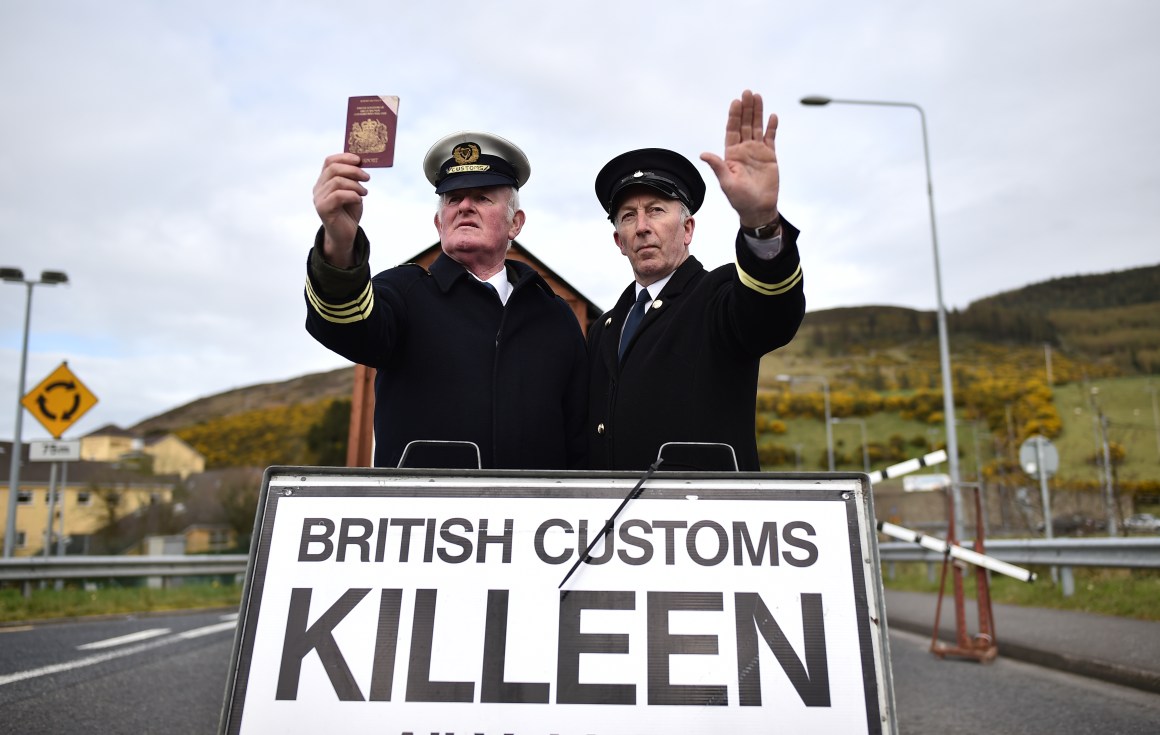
{"x": 59, "y": 400}
{"x": 1039, "y": 458}
{"x": 54, "y": 451}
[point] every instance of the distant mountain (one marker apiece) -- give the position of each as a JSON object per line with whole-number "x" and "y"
{"x": 305, "y": 389}
{"x": 1106, "y": 324}
{"x": 1103, "y": 291}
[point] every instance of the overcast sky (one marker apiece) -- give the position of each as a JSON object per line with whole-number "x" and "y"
{"x": 163, "y": 155}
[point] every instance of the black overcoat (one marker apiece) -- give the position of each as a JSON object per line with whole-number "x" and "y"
{"x": 690, "y": 372}
{"x": 453, "y": 362}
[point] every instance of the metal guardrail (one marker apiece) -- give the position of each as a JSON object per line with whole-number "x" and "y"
{"x": 34, "y": 569}
{"x": 1141, "y": 552}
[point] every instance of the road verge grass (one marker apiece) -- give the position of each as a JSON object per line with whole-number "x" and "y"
{"x": 77, "y": 601}
{"x": 1126, "y": 593}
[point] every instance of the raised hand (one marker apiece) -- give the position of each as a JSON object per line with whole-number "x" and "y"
{"x": 748, "y": 173}
{"x": 338, "y": 200}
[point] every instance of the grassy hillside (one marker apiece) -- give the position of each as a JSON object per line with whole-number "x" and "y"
{"x": 882, "y": 367}
{"x": 305, "y": 389}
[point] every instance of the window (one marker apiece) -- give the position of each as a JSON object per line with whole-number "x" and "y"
{"x": 52, "y": 497}
{"x": 20, "y": 539}
{"x": 84, "y": 497}
{"x": 24, "y": 497}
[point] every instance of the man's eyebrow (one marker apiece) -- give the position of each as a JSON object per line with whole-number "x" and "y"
{"x": 646, "y": 203}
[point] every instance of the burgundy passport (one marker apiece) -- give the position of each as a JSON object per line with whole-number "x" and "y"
{"x": 370, "y": 129}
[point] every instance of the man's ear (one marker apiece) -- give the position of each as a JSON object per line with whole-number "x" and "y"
{"x": 616, "y": 239}
{"x": 517, "y": 224}
{"x": 690, "y": 225}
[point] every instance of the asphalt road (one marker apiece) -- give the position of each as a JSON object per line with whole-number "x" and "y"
{"x": 170, "y": 678}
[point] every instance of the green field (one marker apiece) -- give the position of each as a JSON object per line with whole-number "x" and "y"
{"x": 1126, "y": 402}
{"x": 1120, "y": 592}
{"x": 73, "y": 602}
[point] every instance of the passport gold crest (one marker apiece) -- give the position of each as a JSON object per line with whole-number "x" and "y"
{"x": 368, "y": 136}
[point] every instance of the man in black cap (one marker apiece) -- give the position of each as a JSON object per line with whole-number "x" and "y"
{"x": 476, "y": 349}
{"x": 676, "y": 360}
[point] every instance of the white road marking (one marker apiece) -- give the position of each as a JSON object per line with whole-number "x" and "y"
{"x": 143, "y": 635}
{"x": 110, "y": 655}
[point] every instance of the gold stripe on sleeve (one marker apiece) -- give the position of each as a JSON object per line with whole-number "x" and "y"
{"x": 770, "y": 289}
{"x": 351, "y": 311}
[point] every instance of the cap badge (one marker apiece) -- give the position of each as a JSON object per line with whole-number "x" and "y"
{"x": 638, "y": 174}
{"x": 465, "y": 153}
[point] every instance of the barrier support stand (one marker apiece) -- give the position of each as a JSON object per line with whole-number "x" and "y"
{"x": 982, "y": 647}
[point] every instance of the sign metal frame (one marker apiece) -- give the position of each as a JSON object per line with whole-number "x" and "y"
{"x": 285, "y": 489}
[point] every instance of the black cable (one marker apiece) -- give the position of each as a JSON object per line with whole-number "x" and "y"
{"x": 634, "y": 493}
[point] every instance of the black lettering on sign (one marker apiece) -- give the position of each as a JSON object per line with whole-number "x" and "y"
{"x": 504, "y": 539}
{"x": 722, "y": 543}
{"x": 571, "y": 643}
{"x": 670, "y": 543}
{"x": 542, "y": 531}
{"x": 462, "y": 542}
{"x": 812, "y": 681}
{"x": 641, "y": 543}
{"x": 582, "y": 544}
{"x": 319, "y": 637}
{"x": 405, "y": 541}
{"x": 310, "y": 536}
{"x": 386, "y": 644}
{"x": 362, "y": 540}
{"x": 806, "y": 546}
{"x": 768, "y": 537}
{"x": 492, "y": 686}
{"x": 662, "y": 644}
{"x": 420, "y": 688}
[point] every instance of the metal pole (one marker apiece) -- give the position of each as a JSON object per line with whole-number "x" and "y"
{"x": 829, "y": 424}
{"x": 1049, "y": 532}
{"x": 943, "y": 342}
{"x": 17, "y": 447}
{"x": 943, "y": 348}
{"x": 865, "y": 448}
{"x": 791, "y": 379}
{"x": 1155, "y": 417}
{"x": 1109, "y": 489}
{"x": 51, "y": 509}
{"x": 865, "y": 444}
{"x": 60, "y": 542}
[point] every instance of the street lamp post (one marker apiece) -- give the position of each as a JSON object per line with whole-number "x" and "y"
{"x": 943, "y": 345}
{"x": 826, "y": 402}
{"x": 1155, "y": 416}
{"x": 865, "y": 446}
{"x": 47, "y": 278}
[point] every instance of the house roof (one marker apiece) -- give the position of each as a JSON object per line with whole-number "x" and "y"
{"x": 82, "y": 472}
{"x": 110, "y": 430}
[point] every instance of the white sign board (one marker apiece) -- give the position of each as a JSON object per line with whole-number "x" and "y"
{"x": 925, "y": 483}
{"x": 54, "y": 451}
{"x": 1038, "y": 449}
{"x": 403, "y": 601}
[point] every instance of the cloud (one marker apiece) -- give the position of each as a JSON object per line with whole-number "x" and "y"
{"x": 163, "y": 155}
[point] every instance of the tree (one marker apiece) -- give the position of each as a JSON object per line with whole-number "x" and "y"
{"x": 328, "y": 437}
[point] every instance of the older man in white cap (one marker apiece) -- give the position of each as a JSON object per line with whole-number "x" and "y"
{"x": 478, "y": 348}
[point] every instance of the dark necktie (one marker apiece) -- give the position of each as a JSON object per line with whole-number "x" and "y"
{"x": 635, "y": 315}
